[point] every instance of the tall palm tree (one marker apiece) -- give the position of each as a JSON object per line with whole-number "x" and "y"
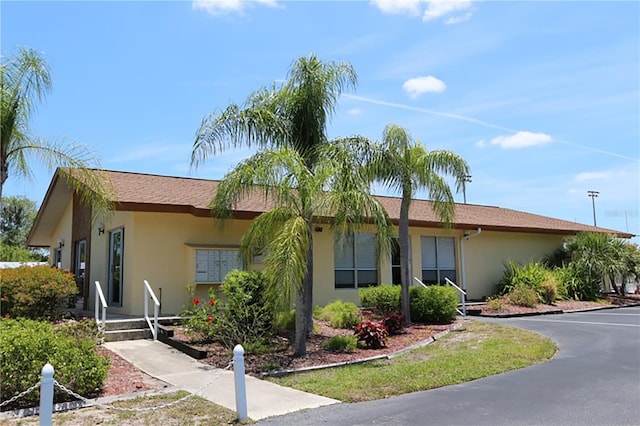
{"x": 293, "y": 114}
{"x": 404, "y": 164}
{"x": 24, "y": 80}
{"x": 332, "y": 191}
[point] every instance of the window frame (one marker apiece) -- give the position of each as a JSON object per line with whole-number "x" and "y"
{"x": 340, "y": 248}
{"x": 441, "y": 271}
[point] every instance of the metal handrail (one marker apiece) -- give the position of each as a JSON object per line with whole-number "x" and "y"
{"x": 100, "y": 301}
{"x": 462, "y": 296}
{"x": 148, "y": 292}
{"x": 420, "y": 282}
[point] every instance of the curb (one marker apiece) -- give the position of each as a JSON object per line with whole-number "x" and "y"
{"x": 557, "y": 312}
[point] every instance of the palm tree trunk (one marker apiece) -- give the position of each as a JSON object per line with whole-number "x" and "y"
{"x": 301, "y": 325}
{"x": 405, "y": 258}
{"x": 308, "y": 282}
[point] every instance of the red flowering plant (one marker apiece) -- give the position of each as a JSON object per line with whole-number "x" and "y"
{"x": 200, "y": 318}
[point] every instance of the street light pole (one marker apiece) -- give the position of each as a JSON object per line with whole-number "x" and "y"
{"x": 467, "y": 179}
{"x": 593, "y": 195}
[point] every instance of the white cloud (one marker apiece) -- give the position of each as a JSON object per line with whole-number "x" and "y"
{"x": 521, "y": 140}
{"x": 419, "y": 85}
{"x": 429, "y": 9}
{"x": 220, "y": 7}
{"x": 481, "y": 144}
{"x": 439, "y": 8}
{"x": 581, "y": 177}
{"x": 355, "y": 111}
{"x": 399, "y": 7}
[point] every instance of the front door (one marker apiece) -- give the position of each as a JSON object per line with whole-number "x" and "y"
{"x": 80, "y": 266}
{"x": 116, "y": 261}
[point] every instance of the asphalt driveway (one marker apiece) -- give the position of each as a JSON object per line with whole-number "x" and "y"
{"x": 594, "y": 379}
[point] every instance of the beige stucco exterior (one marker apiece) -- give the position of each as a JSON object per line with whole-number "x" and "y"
{"x": 161, "y": 247}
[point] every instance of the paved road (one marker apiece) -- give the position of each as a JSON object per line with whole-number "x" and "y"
{"x": 593, "y": 380}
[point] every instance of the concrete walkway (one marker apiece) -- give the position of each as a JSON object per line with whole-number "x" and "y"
{"x": 264, "y": 399}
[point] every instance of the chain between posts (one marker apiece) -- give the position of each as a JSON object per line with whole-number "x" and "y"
{"x": 20, "y": 395}
{"x": 93, "y": 403}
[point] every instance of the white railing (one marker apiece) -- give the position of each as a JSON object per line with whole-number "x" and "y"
{"x": 463, "y": 295}
{"x": 100, "y": 301}
{"x": 148, "y": 293}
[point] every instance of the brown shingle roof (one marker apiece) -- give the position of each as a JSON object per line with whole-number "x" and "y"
{"x": 144, "y": 192}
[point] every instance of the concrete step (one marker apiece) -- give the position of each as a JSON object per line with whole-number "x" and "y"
{"x": 134, "y": 323}
{"x": 130, "y": 334}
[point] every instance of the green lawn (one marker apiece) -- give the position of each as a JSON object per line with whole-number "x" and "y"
{"x": 474, "y": 351}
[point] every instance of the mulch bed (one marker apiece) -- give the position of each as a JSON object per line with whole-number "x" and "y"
{"x": 282, "y": 357}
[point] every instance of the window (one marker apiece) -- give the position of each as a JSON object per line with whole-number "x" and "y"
{"x": 438, "y": 259}
{"x": 356, "y": 261}
{"x": 212, "y": 265}
{"x": 396, "y": 277}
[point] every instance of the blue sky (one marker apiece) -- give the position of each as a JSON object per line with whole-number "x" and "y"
{"x": 541, "y": 98}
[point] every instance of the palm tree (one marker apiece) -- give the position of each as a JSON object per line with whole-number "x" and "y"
{"x": 404, "y": 164}
{"x": 602, "y": 256}
{"x": 293, "y": 114}
{"x": 25, "y": 79}
{"x": 332, "y": 191}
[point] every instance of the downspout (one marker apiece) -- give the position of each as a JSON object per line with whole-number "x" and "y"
{"x": 462, "y": 261}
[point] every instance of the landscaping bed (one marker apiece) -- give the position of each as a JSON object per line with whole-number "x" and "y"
{"x": 562, "y": 306}
{"x": 281, "y": 358}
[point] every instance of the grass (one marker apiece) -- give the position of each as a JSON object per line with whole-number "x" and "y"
{"x": 477, "y": 350}
{"x": 192, "y": 411}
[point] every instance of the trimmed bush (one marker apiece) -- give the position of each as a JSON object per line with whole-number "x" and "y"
{"x": 433, "y": 305}
{"x": 383, "y": 299}
{"x": 523, "y": 296}
{"x": 27, "y": 345}
{"x": 35, "y": 292}
{"x": 340, "y": 314}
{"x": 341, "y": 344}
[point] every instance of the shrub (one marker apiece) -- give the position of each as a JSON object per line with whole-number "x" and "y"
{"x": 285, "y": 320}
{"x": 34, "y": 292}
{"x": 383, "y": 299}
{"x": 496, "y": 303}
{"x": 340, "y": 314}
{"x": 27, "y": 345}
{"x": 245, "y": 315}
{"x": 394, "y": 323}
{"x": 372, "y": 334}
{"x": 530, "y": 275}
{"x": 549, "y": 289}
{"x": 201, "y": 319}
{"x": 434, "y": 304}
{"x": 573, "y": 283}
{"x": 341, "y": 343}
{"x": 523, "y": 296}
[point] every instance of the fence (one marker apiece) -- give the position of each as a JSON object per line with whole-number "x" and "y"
{"x": 48, "y": 382}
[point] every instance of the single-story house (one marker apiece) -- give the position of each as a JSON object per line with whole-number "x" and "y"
{"x": 161, "y": 230}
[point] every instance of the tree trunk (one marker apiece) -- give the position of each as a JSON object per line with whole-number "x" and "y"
{"x": 308, "y": 282}
{"x": 405, "y": 257}
{"x": 301, "y": 325}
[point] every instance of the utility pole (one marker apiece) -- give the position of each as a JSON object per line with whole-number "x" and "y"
{"x": 467, "y": 179}
{"x": 593, "y": 195}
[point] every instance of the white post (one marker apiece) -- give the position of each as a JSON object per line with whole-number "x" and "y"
{"x": 241, "y": 390}
{"x": 46, "y": 395}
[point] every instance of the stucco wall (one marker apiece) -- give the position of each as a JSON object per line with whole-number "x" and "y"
{"x": 63, "y": 231}
{"x": 487, "y": 253}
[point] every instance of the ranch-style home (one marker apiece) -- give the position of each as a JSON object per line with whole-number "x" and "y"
{"x": 161, "y": 230}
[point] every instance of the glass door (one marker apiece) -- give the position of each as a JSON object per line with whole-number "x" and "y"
{"x": 116, "y": 260}
{"x": 80, "y": 265}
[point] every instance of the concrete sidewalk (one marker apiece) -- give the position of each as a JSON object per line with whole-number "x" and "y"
{"x": 264, "y": 399}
